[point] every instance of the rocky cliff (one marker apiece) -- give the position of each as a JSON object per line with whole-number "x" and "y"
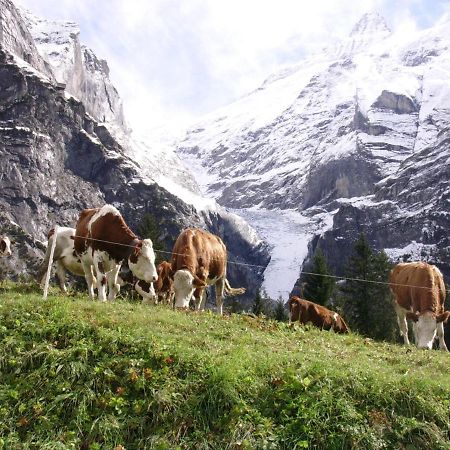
{"x": 85, "y": 76}
{"x": 58, "y": 159}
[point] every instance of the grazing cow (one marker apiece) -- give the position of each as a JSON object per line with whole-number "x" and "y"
{"x": 199, "y": 259}
{"x": 164, "y": 285}
{"x": 144, "y": 289}
{"x": 5, "y": 246}
{"x": 103, "y": 240}
{"x": 64, "y": 255}
{"x": 305, "y": 312}
{"x": 419, "y": 293}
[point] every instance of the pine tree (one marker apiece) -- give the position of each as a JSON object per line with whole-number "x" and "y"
{"x": 260, "y": 303}
{"x": 319, "y": 288}
{"x": 148, "y": 229}
{"x": 357, "y": 294}
{"x": 382, "y": 318}
{"x": 279, "y": 311}
{"x": 368, "y": 306}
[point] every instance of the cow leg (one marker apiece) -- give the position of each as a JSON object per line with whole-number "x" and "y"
{"x": 171, "y": 298}
{"x": 204, "y": 299}
{"x": 61, "y": 274}
{"x": 402, "y": 323}
{"x": 113, "y": 285}
{"x": 90, "y": 278}
{"x": 101, "y": 276}
{"x": 220, "y": 288}
{"x": 198, "y": 299}
{"x": 440, "y": 334}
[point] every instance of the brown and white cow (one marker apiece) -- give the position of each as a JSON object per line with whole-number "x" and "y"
{"x": 144, "y": 289}
{"x": 164, "y": 285}
{"x": 305, "y": 312}
{"x": 103, "y": 240}
{"x": 199, "y": 258}
{"x": 5, "y": 246}
{"x": 64, "y": 255}
{"x": 419, "y": 293}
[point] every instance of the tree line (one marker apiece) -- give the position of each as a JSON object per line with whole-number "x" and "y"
{"x": 366, "y": 305}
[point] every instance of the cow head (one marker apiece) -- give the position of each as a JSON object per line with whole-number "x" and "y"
{"x": 184, "y": 285}
{"x": 147, "y": 291}
{"x": 142, "y": 261}
{"x": 5, "y": 246}
{"x": 425, "y": 326}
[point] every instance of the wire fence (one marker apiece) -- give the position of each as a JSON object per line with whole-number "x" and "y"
{"x": 238, "y": 263}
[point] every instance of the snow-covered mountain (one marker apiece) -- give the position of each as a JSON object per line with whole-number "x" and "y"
{"x": 331, "y": 139}
{"x": 86, "y": 77}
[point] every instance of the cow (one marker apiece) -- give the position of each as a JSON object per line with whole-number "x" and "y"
{"x": 305, "y": 312}
{"x": 64, "y": 255}
{"x": 103, "y": 240}
{"x": 199, "y": 258}
{"x": 144, "y": 289}
{"x": 5, "y": 246}
{"x": 68, "y": 261}
{"x": 419, "y": 293}
{"x": 164, "y": 285}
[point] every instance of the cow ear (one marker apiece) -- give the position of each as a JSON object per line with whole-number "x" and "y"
{"x": 135, "y": 253}
{"x": 12, "y": 242}
{"x": 412, "y": 316}
{"x": 443, "y": 317}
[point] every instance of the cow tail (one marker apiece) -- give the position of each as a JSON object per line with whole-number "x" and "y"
{"x": 233, "y": 291}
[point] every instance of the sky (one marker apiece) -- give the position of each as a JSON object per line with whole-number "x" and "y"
{"x": 173, "y": 61}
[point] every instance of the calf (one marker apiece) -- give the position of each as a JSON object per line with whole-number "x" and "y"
{"x": 164, "y": 285}
{"x": 305, "y": 312}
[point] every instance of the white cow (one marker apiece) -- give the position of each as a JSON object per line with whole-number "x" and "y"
{"x": 5, "y": 246}
{"x": 64, "y": 256}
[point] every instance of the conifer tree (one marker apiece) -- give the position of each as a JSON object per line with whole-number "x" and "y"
{"x": 260, "y": 303}
{"x": 279, "y": 310}
{"x": 148, "y": 229}
{"x": 318, "y": 288}
{"x": 367, "y": 301}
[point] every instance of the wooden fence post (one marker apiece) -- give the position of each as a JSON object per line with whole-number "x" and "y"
{"x": 50, "y": 262}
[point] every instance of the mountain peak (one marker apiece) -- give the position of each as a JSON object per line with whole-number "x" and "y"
{"x": 371, "y": 22}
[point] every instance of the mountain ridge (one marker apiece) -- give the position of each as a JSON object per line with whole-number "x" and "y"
{"x": 332, "y": 130}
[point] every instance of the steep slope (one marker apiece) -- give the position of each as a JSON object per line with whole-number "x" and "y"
{"x": 105, "y": 375}
{"x": 86, "y": 77}
{"x": 57, "y": 159}
{"x": 316, "y": 137}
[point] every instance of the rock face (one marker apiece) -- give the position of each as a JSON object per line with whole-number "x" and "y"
{"x": 57, "y": 159}
{"x": 16, "y": 38}
{"x": 358, "y": 132}
{"x": 77, "y": 67}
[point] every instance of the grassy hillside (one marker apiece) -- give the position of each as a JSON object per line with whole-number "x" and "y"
{"x": 79, "y": 374}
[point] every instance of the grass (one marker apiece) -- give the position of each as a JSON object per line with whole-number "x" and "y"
{"x": 80, "y": 374}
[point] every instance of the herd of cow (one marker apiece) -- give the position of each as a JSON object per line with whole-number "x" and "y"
{"x": 102, "y": 243}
